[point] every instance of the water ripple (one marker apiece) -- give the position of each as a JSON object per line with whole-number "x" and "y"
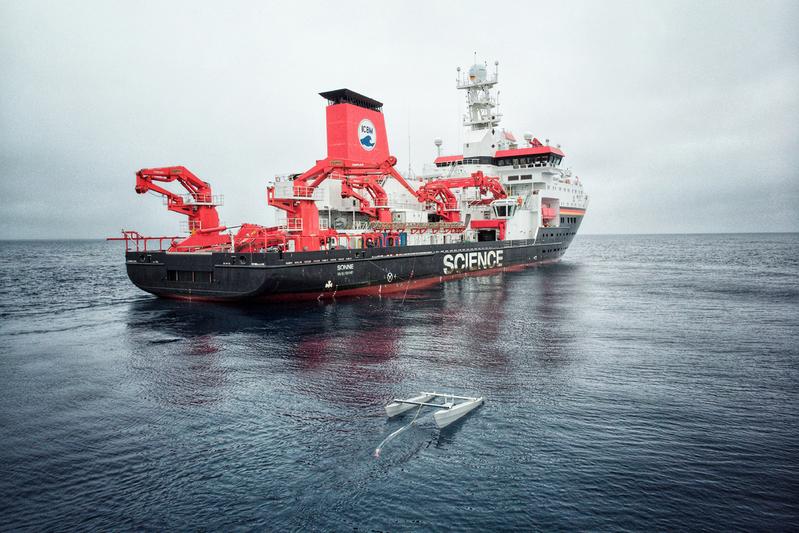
{"x": 647, "y": 382}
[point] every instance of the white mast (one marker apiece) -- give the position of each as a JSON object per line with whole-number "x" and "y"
{"x": 481, "y": 105}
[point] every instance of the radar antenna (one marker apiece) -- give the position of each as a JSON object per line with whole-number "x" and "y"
{"x": 482, "y": 110}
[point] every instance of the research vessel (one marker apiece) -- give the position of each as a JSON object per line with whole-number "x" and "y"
{"x": 353, "y": 224}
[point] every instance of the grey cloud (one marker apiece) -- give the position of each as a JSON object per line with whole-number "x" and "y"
{"x": 679, "y": 117}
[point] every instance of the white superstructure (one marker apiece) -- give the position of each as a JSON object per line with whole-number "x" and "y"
{"x": 541, "y": 194}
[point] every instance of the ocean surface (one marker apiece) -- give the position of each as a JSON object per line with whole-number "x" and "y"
{"x": 644, "y": 383}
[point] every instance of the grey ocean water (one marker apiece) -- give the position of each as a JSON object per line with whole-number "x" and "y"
{"x": 644, "y": 383}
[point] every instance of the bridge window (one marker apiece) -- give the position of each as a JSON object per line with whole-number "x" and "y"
{"x": 504, "y": 210}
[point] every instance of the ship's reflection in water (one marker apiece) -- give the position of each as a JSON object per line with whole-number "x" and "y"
{"x": 300, "y": 389}
{"x": 361, "y": 351}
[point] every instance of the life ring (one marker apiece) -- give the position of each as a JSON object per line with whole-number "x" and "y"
{"x": 519, "y": 200}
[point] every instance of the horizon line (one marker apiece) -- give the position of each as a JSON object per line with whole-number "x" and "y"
{"x": 578, "y": 235}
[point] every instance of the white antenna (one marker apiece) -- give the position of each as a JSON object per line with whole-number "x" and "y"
{"x": 458, "y": 81}
{"x": 498, "y": 92}
{"x": 409, "y": 142}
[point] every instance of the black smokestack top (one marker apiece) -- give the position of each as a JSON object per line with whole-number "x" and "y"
{"x": 346, "y": 96}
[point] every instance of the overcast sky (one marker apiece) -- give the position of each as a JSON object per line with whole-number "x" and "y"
{"x": 678, "y": 117}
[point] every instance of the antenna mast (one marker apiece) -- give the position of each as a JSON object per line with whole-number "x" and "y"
{"x": 482, "y": 113}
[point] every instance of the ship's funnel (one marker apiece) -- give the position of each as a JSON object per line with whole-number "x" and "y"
{"x": 356, "y": 129}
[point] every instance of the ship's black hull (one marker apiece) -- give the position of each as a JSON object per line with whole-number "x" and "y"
{"x": 333, "y": 273}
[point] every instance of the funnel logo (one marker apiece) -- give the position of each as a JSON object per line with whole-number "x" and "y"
{"x": 367, "y": 135}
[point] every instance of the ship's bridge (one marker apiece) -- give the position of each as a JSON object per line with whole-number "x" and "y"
{"x": 533, "y": 156}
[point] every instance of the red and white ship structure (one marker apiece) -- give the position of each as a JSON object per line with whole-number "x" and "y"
{"x": 352, "y": 224}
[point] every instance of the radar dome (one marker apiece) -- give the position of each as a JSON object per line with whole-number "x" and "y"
{"x": 528, "y": 136}
{"x": 438, "y": 141}
{"x": 477, "y": 73}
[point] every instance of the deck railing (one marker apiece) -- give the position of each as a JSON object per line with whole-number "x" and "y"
{"x": 136, "y": 242}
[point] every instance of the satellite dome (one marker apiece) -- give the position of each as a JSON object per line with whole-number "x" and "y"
{"x": 477, "y": 72}
{"x": 438, "y": 141}
{"x": 528, "y": 136}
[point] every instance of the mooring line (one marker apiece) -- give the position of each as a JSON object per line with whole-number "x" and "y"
{"x": 397, "y": 432}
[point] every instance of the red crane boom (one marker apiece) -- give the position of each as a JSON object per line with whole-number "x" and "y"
{"x": 440, "y": 192}
{"x": 199, "y": 205}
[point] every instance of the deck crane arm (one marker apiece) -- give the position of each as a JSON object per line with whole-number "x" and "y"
{"x": 378, "y": 210}
{"x": 354, "y": 177}
{"x": 440, "y": 192}
{"x": 200, "y": 207}
{"x": 348, "y": 190}
{"x": 442, "y": 196}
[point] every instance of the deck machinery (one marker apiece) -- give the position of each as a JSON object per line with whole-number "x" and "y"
{"x": 353, "y": 224}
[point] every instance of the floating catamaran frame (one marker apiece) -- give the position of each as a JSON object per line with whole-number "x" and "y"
{"x": 448, "y": 412}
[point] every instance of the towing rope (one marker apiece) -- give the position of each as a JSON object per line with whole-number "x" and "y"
{"x": 397, "y": 432}
{"x": 408, "y": 284}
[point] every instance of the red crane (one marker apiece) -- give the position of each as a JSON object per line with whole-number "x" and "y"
{"x": 440, "y": 193}
{"x": 371, "y": 184}
{"x": 199, "y": 205}
{"x": 300, "y": 206}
